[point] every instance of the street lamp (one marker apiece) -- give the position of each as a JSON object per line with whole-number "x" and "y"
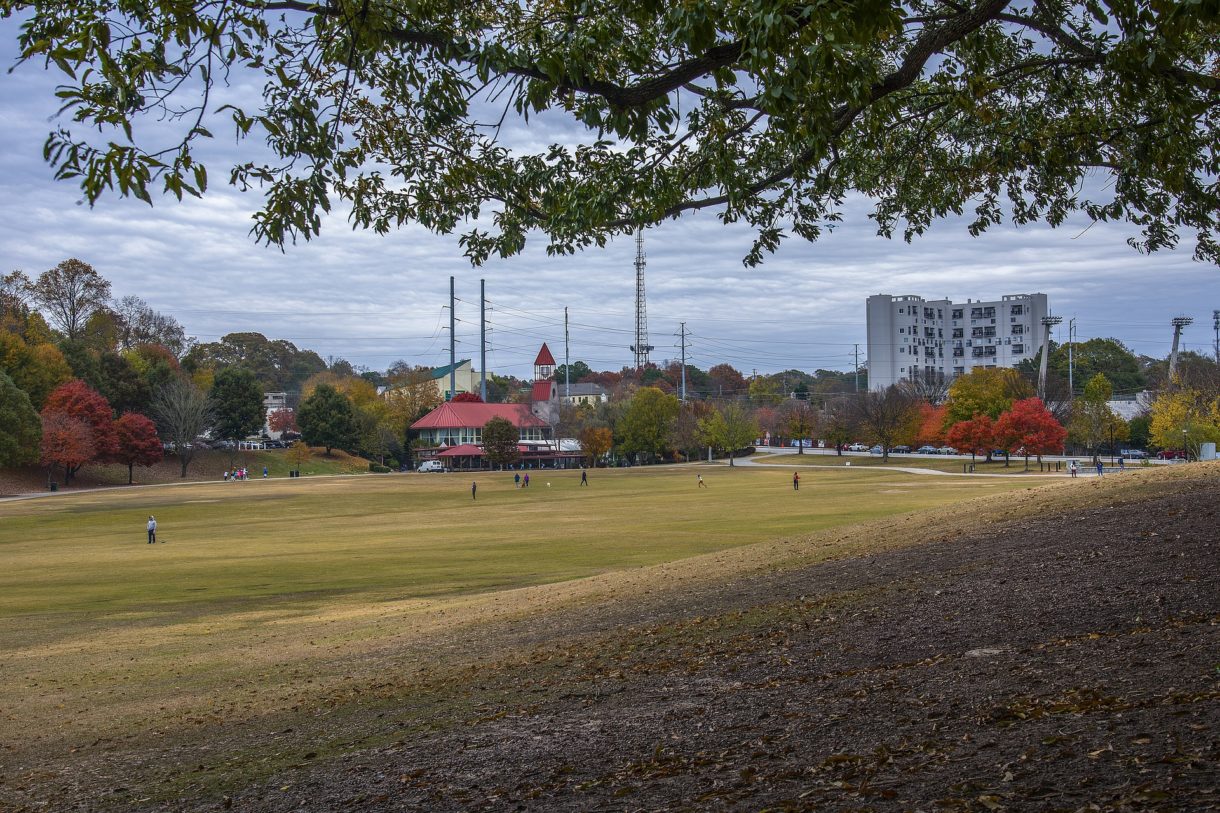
{"x": 1185, "y": 450}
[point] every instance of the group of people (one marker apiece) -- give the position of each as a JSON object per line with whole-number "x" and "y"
{"x": 1074, "y": 467}
{"x": 522, "y": 481}
{"x": 241, "y": 473}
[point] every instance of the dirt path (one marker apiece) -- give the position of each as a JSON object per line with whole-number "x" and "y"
{"x": 1063, "y": 663}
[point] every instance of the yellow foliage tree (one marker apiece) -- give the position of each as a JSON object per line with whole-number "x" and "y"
{"x": 1184, "y": 418}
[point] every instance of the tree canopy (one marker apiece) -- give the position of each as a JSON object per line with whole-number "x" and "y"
{"x": 766, "y": 112}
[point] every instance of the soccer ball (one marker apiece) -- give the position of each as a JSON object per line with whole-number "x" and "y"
{"x": 548, "y": 485}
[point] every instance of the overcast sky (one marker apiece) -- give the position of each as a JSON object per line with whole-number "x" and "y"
{"x": 374, "y": 299}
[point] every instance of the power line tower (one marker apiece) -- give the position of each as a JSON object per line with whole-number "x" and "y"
{"x": 641, "y": 347}
{"x": 1216, "y": 327}
{"x": 1178, "y": 323}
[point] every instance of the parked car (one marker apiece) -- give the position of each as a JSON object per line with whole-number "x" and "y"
{"x": 431, "y": 465}
{"x": 901, "y": 450}
{"x": 927, "y": 450}
{"x": 1134, "y": 454}
{"x": 876, "y": 450}
{"x": 1171, "y": 454}
{"x": 947, "y": 450}
{"x": 999, "y": 452}
{"x": 857, "y": 447}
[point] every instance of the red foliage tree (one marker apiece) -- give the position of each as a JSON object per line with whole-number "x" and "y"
{"x": 76, "y": 399}
{"x": 976, "y": 434}
{"x": 67, "y": 442}
{"x": 282, "y": 420}
{"x": 931, "y": 425}
{"x": 466, "y": 398}
{"x": 138, "y": 441}
{"x": 1029, "y": 428}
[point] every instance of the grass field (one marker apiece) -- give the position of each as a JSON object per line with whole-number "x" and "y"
{"x": 951, "y": 465}
{"x": 268, "y": 592}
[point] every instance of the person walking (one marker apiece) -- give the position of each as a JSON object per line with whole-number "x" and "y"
{"x": 517, "y": 480}
{"x": 796, "y": 481}
{"x": 1100, "y": 469}
{"x": 584, "y": 477}
{"x": 1073, "y": 468}
{"x": 264, "y": 472}
{"x": 474, "y": 487}
{"x": 152, "y": 530}
{"x": 1122, "y": 466}
{"x": 525, "y": 482}
{"x": 701, "y": 483}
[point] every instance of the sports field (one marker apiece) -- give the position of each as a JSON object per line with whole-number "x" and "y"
{"x": 266, "y": 595}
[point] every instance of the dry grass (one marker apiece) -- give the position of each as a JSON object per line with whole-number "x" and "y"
{"x": 153, "y": 664}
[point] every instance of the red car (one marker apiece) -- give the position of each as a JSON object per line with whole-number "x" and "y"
{"x": 1171, "y": 454}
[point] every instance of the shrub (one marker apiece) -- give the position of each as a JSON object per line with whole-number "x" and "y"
{"x": 377, "y": 468}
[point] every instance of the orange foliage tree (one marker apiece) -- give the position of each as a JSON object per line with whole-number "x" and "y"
{"x": 67, "y": 442}
{"x": 1029, "y": 428}
{"x": 976, "y": 434}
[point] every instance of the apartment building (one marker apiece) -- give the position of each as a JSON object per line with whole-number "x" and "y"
{"x": 909, "y": 336}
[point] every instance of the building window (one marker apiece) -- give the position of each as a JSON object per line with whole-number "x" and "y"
{"x": 957, "y": 313}
{"x": 1018, "y": 310}
{"x": 1018, "y": 349}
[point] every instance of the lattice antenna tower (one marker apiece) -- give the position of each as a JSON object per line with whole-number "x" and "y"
{"x": 641, "y": 347}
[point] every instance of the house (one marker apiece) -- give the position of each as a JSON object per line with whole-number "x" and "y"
{"x": 273, "y": 402}
{"x": 583, "y": 394}
{"x": 466, "y": 379}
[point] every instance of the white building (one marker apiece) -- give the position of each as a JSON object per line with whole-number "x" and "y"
{"x": 909, "y": 336}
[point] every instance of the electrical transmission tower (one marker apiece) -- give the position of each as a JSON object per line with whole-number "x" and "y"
{"x": 641, "y": 347}
{"x": 1048, "y": 322}
{"x": 1216, "y": 327}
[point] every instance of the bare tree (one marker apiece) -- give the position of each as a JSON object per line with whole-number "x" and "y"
{"x": 140, "y": 324}
{"x": 887, "y": 415}
{"x": 183, "y": 413}
{"x": 932, "y": 387}
{"x": 70, "y": 293}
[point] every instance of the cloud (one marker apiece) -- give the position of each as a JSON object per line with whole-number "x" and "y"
{"x": 375, "y": 299}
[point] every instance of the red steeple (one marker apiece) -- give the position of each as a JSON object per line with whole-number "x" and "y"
{"x": 544, "y": 357}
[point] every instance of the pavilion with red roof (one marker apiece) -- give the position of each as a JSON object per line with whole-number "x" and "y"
{"x": 453, "y": 433}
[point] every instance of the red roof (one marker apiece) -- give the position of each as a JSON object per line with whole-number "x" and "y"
{"x": 469, "y": 415}
{"x": 465, "y": 450}
{"x": 543, "y": 390}
{"x": 544, "y": 357}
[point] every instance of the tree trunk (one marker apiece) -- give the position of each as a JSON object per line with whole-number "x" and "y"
{"x": 129, "y": 468}
{"x": 800, "y": 446}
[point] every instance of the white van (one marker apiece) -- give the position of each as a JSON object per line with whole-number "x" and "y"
{"x": 431, "y": 465}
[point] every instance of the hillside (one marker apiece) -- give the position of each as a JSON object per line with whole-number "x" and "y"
{"x": 1051, "y": 648}
{"x": 208, "y": 464}
{"x": 1063, "y": 660}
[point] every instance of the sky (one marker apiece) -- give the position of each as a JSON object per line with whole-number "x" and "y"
{"x": 376, "y": 299}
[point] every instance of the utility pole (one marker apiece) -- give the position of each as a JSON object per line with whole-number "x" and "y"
{"x": 858, "y": 368}
{"x": 1048, "y": 322}
{"x": 682, "y": 333}
{"x": 452, "y": 345}
{"x": 483, "y": 340}
{"x": 1178, "y": 323}
{"x": 1071, "y": 367}
{"x": 567, "y": 365}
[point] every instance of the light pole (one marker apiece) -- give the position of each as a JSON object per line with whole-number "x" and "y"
{"x": 1185, "y": 449}
{"x": 1071, "y": 365}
